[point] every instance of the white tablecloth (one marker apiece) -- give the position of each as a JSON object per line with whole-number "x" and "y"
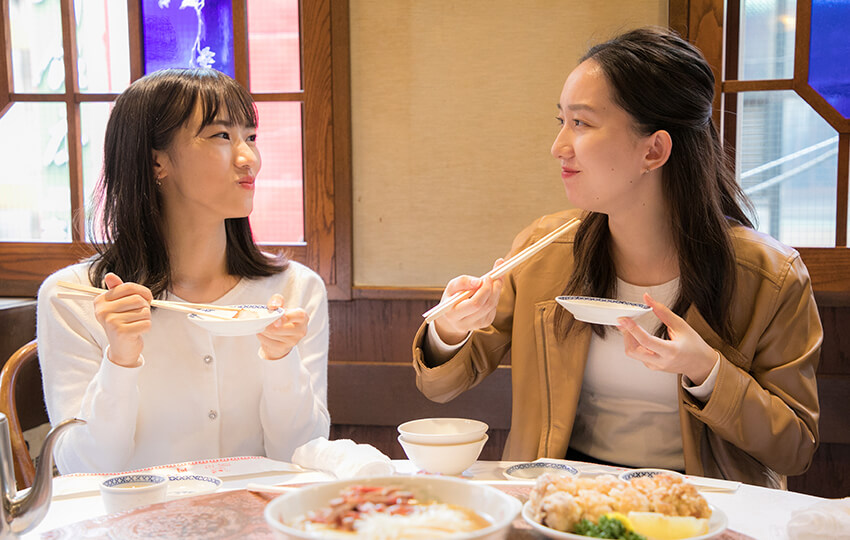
{"x": 759, "y": 512}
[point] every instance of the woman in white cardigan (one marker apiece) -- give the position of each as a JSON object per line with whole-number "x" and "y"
{"x": 180, "y": 162}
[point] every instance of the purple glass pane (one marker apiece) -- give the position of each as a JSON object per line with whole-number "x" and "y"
{"x": 829, "y": 48}
{"x": 189, "y": 34}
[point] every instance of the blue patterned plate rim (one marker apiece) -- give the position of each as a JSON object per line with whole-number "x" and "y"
{"x": 542, "y": 465}
{"x": 240, "y": 306}
{"x": 605, "y": 301}
{"x": 151, "y": 479}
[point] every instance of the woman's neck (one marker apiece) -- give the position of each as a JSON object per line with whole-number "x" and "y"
{"x": 643, "y": 248}
{"x": 197, "y": 256}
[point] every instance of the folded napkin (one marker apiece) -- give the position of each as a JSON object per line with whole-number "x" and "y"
{"x": 343, "y": 458}
{"x": 827, "y": 519}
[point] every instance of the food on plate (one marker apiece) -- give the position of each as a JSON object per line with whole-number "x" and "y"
{"x": 648, "y": 506}
{"x": 388, "y": 513}
{"x": 246, "y": 313}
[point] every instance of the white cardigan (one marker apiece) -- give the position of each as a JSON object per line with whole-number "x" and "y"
{"x": 196, "y": 395}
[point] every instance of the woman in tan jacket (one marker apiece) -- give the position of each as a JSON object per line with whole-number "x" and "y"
{"x": 719, "y": 379}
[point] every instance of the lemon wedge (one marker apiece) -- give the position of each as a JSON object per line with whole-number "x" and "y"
{"x": 623, "y": 519}
{"x": 660, "y": 527}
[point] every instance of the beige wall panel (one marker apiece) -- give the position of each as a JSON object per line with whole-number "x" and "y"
{"x": 453, "y": 114}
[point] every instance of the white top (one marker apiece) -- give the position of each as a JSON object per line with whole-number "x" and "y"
{"x": 627, "y": 413}
{"x": 196, "y": 395}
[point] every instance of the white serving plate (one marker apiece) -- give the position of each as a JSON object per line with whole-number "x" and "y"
{"x": 236, "y": 327}
{"x": 716, "y": 525}
{"x": 533, "y": 469}
{"x": 187, "y": 485}
{"x": 600, "y": 310}
{"x": 500, "y": 508}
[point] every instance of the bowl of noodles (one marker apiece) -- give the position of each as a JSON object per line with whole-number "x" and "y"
{"x": 394, "y": 508}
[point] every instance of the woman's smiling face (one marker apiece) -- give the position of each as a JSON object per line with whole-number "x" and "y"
{"x": 602, "y": 155}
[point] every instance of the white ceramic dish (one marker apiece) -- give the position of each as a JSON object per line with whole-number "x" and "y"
{"x": 442, "y": 430}
{"x": 716, "y": 525}
{"x": 625, "y": 476}
{"x": 443, "y": 458}
{"x": 498, "y": 507}
{"x": 237, "y": 327}
{"x": 600, "y": 310}
{"x": 126, "y": 491}
{"x": 533, "y": 469}
{"x": 187, "y": 485}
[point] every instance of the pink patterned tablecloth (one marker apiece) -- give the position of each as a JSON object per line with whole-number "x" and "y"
{"x": 224, "y": 516}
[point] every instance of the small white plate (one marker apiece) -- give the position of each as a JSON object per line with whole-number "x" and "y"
{"x": 625, "y": 476}
{"x": 533, "y": 469}
{"x": 716, "y": 525}
{"x": 237, "y": 327}
{"x": 186, "y": 485}
{"x": 600, "y": 310}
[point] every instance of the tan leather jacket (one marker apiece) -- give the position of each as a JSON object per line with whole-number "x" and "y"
{"x": 760, "y": 423}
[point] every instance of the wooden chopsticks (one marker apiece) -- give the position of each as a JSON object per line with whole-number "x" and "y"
{"x": 183, "y": 307}
{"x": 440, "y": 309}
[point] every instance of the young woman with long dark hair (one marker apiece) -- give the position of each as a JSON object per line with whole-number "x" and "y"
{"x": 719, "y": 379}
{"x": 180, "y": 163}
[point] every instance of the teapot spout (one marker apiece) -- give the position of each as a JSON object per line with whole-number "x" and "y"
{"x": 27, "y": 511}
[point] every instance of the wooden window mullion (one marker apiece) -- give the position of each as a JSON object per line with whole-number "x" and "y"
{"x": 842, "y": 189}
{"x": 5, "y": 57}
{"x": 72, "y": 108}
{"x": 240, "y": 43}
{"x": 729, "y": 124}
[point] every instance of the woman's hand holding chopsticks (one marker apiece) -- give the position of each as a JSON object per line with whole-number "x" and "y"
{"x": 124, "y": 312}
{"x": 477, "y": 311}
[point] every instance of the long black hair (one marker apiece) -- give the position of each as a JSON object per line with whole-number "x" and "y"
{"x": 131, "y": 240}
{"x": 665, "y": 83}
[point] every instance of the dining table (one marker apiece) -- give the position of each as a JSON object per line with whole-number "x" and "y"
{"x": 77, "y": 511}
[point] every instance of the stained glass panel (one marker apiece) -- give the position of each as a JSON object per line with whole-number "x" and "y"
{"x": 278, "y": 215}
{"x": 829, "y": 49}
{"x": 36, "y": 35}
{"x": 191, "y": 34}
{"x": 788, "y": 163}
{"x": 766, "y": 40}
{"x": 103, "y": 46}
{"x": 274, "y": 45}
{"x": 35, "y": 193}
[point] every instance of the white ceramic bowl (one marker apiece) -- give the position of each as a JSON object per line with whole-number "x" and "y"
{"x": 443, "y": 458}
{"x": 128, "y": 491}
{"x": 600, "y": 310}
{"x": 237, "y": 327}
{"x": 442, "y": 430}
{"x": 498, "y": 507}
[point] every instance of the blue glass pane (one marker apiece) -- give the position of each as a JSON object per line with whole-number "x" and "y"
{"x": 188, "y": 33}
{"x": 829, "y": 48}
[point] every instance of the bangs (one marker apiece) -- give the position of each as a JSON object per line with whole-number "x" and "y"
{"x": 223, "y": 100}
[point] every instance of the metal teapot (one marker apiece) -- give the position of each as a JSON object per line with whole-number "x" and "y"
{"x": 21, "y": 513}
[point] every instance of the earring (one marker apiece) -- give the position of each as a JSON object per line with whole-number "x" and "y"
{"x": 158, "y": 181}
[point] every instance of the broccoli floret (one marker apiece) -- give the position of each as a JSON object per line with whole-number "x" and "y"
{"x": 606, "y": 528}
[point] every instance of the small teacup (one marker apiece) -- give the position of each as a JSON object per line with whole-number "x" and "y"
{"x": 126, "y": 491}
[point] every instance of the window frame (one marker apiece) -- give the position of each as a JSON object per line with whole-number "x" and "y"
{"x": 714, "y": 28}
{"x": 325, "y": 138}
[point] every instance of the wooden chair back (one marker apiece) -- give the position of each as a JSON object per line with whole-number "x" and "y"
{"x": 20, "y": 366}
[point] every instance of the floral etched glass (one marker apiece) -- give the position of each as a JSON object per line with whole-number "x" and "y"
{"x": 188, "y": 34}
